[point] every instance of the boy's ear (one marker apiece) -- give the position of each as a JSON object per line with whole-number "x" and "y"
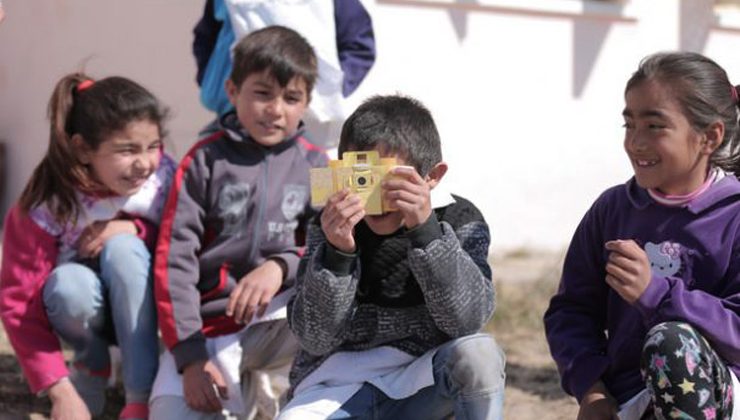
{"x": 712, "y": 137}
{"x": 232, "y": 91}
{"x": 82, "y": 150}
{"x": 436, "y": 174}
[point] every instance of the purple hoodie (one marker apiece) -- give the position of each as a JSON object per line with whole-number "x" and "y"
{"x": 695, "y": 257}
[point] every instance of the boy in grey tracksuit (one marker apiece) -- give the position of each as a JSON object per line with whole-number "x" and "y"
{"x": 229, "y": 240}
{"x": 388, "y": 307}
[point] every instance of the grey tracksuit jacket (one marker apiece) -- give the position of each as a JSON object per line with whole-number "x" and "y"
{"x": 233, "y": 205}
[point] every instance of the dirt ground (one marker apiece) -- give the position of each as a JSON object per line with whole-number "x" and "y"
{"x": 524, "y": 279}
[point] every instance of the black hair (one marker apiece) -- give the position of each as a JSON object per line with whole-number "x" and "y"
{"x": 394, "y": 124}
{"x": 704, "y": 93}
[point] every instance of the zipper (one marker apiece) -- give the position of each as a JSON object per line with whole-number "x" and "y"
{"x": 261, "y": 205}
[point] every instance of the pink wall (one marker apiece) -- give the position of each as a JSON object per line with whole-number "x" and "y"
{"x": 41, "y": 40}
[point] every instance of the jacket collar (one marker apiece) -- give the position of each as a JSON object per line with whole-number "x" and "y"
{"x": 724, "y": 188}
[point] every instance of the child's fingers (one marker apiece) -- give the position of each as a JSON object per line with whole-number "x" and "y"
{"x": 242, "y": 306}
{"x": 407, "y": 172}
{"x": 355, "y": 219}
{"x": 262, "y": 307}
{"x": 333, "y": 209}
{"x": 413, "y": 198}
{"x": 211, "y": 397}
{"x": 620, "y": 260}
{"x": 97, "y": 251}
{"x": 87, "y": 249}
{"x": 251, "y": 306}
{"x": 238, "y": 300}
{"x": 338, "y": 218}
{"x": 614, "y": 283}
{"x": 219, "y": 386}
{"x": 626, "y": 247}
{"x": 403, "y": 185}
{"x": 233, "y": 298}
{"x": 337, "y": 197}
{"x": 405, "y": 207}
{"x": 348, "y": 203}
{"x": 620, "y": 274}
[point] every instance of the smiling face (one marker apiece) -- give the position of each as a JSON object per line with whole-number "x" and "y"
{"x": 666, "y": 152}
{"x": 269, "y": 112}
{"x": 126, "y": 158}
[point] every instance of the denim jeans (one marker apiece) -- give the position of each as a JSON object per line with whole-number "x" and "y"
{"x": 468, "y": 381}
{"x": 83, "y": 307}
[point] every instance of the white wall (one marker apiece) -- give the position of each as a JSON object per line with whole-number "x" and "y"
{"x": 527, "y": 94}
{"x": 42, "y": 40}
{"x": 529, "y": 100}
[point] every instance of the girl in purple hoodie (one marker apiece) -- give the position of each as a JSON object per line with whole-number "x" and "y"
{"x": 646, "y": 321}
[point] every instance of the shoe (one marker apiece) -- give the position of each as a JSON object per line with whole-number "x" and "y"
{"x": 91, "y": 387}
{"x": 138, "y": 411}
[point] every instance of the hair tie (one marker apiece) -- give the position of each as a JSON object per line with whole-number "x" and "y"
{"x": 89, "y": 82}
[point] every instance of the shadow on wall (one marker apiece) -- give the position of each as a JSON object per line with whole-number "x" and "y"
{"x": 695, "y": 22}
{"x": 590, "y": 27}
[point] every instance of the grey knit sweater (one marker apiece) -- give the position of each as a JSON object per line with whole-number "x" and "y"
{"x": 412, "y": 290}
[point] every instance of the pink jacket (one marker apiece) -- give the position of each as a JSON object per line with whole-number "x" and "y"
{"x": 29, "y": 255}
{"x": 33, "y": 244}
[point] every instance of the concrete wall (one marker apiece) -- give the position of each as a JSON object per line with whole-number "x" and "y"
{"x": 527, "y": 94}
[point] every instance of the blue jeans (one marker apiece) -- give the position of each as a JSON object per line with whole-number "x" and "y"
{"x": 83, "y": 306}
{"x": 468, "y": 381}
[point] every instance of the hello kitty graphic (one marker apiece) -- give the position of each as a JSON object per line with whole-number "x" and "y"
{"x": 665, "y": 258}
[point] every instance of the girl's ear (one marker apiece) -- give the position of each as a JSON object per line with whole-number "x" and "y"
{"x": 82, "y": 150}
{"x": 712, "y": 137}
{"x": 436, "y": 174}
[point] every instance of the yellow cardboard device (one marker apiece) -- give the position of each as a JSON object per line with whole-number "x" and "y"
{"x": 361, "y": 172}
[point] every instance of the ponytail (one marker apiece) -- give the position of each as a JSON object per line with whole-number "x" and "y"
{"x": 729, "y": 158}
{"x": 60, "y": 171}
{"x": 93, "y": 110}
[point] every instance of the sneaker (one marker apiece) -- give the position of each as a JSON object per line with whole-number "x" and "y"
{"x": 91, "y": 388}
{"x": 138, "y": 411}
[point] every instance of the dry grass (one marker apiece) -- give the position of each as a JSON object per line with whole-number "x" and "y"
{"x": 525, "y": 281}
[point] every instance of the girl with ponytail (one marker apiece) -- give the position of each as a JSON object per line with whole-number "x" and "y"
{"x": 646, "y": 322}
{"x": 76, "y": 247}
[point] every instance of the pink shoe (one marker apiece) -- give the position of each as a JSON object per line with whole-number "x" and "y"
{"x": 135, "y": 411}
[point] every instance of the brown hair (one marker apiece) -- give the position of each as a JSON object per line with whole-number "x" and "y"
{"x": 396, "y": 124}
{"x": 704, "y": 93}
{"x": 281, "y": 51}
{"x": 94, "y": 110}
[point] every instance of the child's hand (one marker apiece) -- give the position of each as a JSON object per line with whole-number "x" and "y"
{"x": 203, "y": 384}
{"x": 628, "y": 269}
{"x": 66, "y": 403}
{"x": 254, "y": 292}
{"x": 598, "y": 404}
{"x": 94, "y": 236}
{"x": 339, "y": 217}
{"x": 410, "y": 195}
